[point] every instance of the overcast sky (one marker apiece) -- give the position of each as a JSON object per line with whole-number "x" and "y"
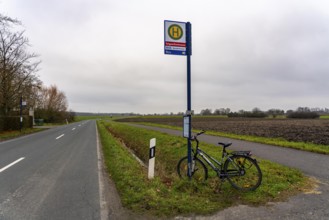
{"x": 108, "y": 56}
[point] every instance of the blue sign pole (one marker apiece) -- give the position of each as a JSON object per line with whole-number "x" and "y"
{"x": 189, "y": 109}
{"x": 175, "y": 43}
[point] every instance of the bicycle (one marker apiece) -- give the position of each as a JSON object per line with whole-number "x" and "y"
{"x": 238, "y": 167}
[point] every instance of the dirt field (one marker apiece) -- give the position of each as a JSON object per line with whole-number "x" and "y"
{"x": 302, "y": 130}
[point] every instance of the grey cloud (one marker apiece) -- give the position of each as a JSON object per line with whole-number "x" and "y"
{"x": 109, "y": 54}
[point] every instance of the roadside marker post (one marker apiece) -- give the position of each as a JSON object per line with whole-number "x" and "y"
{"x": 151, "y": 158}
{"x": 178, "y": 41}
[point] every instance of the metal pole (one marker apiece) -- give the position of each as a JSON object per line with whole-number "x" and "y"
{"x": 188, "y": 53}
{"x": 20, "y": 118}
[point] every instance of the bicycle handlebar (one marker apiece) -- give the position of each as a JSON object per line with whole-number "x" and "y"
{"x": 194, "y": 137}
{"x": 201, "y": 132}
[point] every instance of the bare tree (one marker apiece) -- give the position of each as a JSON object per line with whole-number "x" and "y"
{"x": 222, "y": 111}
{"x": 17, "y": 66}
{"x": 275, "y": 112}
{"x": 206, "y": 111}
{"x": 51, "y": 105}
{"x": 7, "y": 21}
{"x": 56, "y": 99}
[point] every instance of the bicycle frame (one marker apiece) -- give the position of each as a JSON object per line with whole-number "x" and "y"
{"x": 218, "y": 166}
{"x": 208, "y": 159}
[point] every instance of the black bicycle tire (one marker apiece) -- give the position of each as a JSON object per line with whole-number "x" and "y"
{"x": 197, "y": 160}
{"x": 231, "y": 179}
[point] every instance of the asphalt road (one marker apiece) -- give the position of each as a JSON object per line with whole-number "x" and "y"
{"x": 52, "y": 174}
{"x": 57, "y": 174}
{"x": 310, "y": 205}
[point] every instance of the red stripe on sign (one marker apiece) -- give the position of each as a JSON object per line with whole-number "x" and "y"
{"x": 175, "y": 44}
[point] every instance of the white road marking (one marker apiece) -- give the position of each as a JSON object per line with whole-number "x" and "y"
{"x": 59, "y": 136}
{"x": 12, "y": 164}
{"x": 73, "y": 129}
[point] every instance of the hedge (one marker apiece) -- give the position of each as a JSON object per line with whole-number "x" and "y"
{"x": 13, "y": 123}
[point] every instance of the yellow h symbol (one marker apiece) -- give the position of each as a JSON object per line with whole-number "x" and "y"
{"x": 175, "y": 32}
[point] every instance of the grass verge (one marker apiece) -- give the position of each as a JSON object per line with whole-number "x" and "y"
{"x": 167, "y": 195}
{"x": 5, "y": 135}
{"x": 316, "y": 148}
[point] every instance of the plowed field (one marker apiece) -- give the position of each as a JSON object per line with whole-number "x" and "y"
{"x": 301, "y": 130}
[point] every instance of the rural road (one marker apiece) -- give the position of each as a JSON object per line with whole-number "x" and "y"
{"x": 53, "y": 174}
{"x": 312, "y": 205}
{"x": 58, "y": 174}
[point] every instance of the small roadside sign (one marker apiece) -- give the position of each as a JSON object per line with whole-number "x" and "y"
{"x": 175, "y": 38}
{"x": 186, "y": 124}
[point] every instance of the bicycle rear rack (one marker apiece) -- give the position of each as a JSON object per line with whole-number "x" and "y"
{"x": 243, "y": 153}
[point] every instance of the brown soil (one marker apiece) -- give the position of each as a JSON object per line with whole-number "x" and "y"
{"x": 300, "y": 130}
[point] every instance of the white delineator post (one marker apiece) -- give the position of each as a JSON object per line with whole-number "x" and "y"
{"x": 151, "y": 158}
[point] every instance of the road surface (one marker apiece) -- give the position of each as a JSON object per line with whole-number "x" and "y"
{"x": 52, "y": 174}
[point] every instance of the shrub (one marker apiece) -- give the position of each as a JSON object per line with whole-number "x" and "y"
{"x": 13, "y": 123}
{"x": 247, "y": 114}
{"x": 303, "y": 115}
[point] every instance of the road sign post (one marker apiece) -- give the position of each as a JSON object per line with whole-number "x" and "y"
{"x": 178, "y": 41}
{"x": 189, "y": 109}
{"x": 20, "y": 113}
{"x": 151, "y": 158}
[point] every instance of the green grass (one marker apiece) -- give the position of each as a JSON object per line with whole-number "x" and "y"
{"x": 99, "y": 117}
{"x": 92, "y": 117}
{"x": 316, "y": 148}
{"x": 167, "y": 195}
{"x": 5, "y": 135}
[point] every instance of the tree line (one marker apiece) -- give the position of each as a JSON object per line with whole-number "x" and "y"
{"x": 21, "y": 90}
{"x": 300, "y": 112}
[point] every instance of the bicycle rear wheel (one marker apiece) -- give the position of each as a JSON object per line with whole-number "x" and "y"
{"x": 199, "y": 170}
{"x": 243, "y": 172}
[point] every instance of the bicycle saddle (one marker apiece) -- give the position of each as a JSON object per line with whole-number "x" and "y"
{"x": 225, "y": 145}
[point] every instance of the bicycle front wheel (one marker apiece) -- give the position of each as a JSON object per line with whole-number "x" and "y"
{"x": 199, "y": 170}
{"x": 243, "y": 172}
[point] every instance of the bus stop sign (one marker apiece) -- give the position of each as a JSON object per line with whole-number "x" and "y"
{"x": 175, "y": 38}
